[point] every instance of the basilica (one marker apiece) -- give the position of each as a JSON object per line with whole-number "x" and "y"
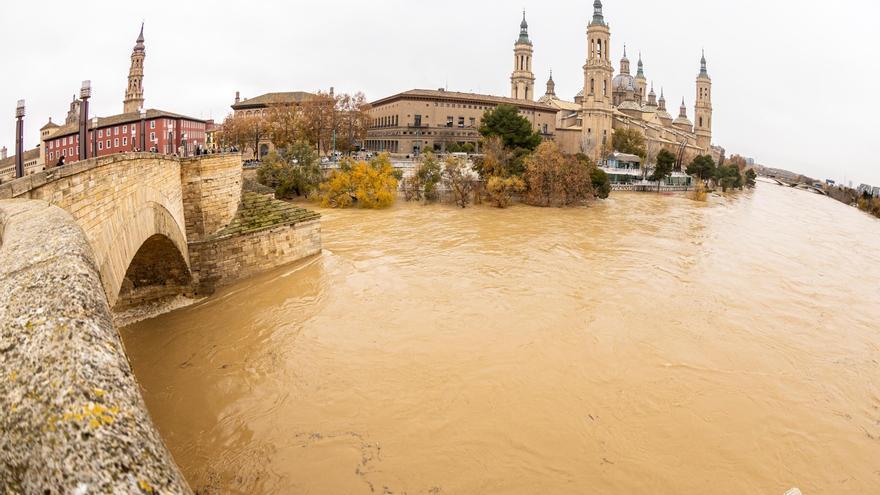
{"x": 608, "y": 102}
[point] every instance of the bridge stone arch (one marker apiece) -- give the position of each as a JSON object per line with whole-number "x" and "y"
{"x": 122, "y": 201}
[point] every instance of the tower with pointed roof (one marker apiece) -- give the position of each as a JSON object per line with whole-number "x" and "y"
{"x": 551, "y": 86}
{"x": 641, "y": 82}
{"x": 134, "y": 92}
{"x": 597, "y": 101}
{"x": 522, "y": 80}
{"x": 703, "y": 107}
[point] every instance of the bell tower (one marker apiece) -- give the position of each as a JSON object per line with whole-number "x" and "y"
{"x": 134, "y": 92}
{"x": 703, "y": 108}
{"x": 597, "y": 103}
{"x": 522, "y": 80}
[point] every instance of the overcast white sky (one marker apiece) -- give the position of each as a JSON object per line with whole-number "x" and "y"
{"x": 793, "y": 79}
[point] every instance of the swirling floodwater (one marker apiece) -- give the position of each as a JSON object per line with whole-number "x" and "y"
{"x": 644, "y": 344}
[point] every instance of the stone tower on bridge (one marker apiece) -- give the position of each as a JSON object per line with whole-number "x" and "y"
{"x": 134, "y": 93}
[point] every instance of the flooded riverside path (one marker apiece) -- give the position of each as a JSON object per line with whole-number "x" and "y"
{"x": 646, "y": 344}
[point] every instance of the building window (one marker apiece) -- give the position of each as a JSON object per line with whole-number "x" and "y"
{"x": 125, "y": 129}
{"x": 132, "y": 128}
{"x": 461, "y": 122}
{"x": 100, "y": 145}
{"x": 63, "y": 152}
{"x": 51, "y": 155}
{"x": 116, "y": 142}
{"x": 64, "y": 142}
{"x": 125, "y": 141}
{"x": 116, "y": 131}
{"x": 108, "y": 144}
{"x": 152, "y": 124}
{"x": 449, "y": 120}
{"x": 153, "y": 137}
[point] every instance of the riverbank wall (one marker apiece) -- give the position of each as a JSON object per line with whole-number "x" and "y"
{"x": 264, "y": 234}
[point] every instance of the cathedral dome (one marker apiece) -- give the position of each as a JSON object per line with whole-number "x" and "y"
{"x": 629, "y": 105}
{"x": 683, "y": 120}
{"x": 623, "y": 82}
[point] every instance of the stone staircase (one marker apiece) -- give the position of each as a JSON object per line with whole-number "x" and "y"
{"x": 259, "y": 211}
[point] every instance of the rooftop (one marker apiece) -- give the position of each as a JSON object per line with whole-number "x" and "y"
{"x": 122, "y": 118}
{"x": 268, "y": 99}
{"x": 442, "y": 94}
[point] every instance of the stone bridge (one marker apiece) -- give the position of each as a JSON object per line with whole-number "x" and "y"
{"x": 105, "y": 233}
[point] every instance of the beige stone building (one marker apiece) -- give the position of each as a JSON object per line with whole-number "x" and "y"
{"x": 413, "y": 120}
{"x": 419, "y": 119}
{"x": 261, "y": 105}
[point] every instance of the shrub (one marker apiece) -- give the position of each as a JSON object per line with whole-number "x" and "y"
{"x": 501, "y": 190}
{"x": 460, "y": 180}
{"x": 555, "y": 179}
{"x": 601, "y": 183}
{"x": 361, "y": 184}
{"x": 423, "y": 182}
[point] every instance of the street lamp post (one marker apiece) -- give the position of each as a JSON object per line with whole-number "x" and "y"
{"x": 183, "y": 143}
{"x": 143, "y": 115}
{"x": 19, "y": 139}
{"x": 95, "y": 137}
{"x": 84, "y": 93}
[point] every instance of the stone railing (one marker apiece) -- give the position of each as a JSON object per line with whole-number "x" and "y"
{"x": 73, "y": 419}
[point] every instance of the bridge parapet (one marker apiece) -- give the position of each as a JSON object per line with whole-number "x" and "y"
{"x": 73, "y": 418}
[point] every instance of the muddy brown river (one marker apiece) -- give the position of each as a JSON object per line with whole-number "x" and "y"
{"x": 646, "y": 344}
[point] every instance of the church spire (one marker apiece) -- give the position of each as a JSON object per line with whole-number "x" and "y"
{"x": 703, "y": 71}
{"x": 134, "y": 92}
{"x": 524, "y": 30}
{"x": 683, "y": 111}
{"x": 598, "y": 18}
{"x": 641, "y": 66}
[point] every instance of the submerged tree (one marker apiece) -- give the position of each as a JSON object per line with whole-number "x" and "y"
{"x": 363, "y": 184}
{"x": 460, "y": 180}
{"x": 424, "y": 180}
{"x": 702, "y": 167}
{"x": 663, "y": 168}
{"x": 295, "y": 171}
{"x": 556, "y": 179}
{"x": 751, "y": 178}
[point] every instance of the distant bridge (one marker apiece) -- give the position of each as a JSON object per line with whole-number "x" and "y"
{"x": 796, "y": 185}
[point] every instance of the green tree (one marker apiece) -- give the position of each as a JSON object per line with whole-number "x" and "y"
{"x": 750, "y": 178}
{"x": 702, "y": 167}
{"x": 601, "y": 183}
{"x": 663, "y": 168}
{"x": 729, "y": 177}
{"x": 630, "y": 141}
{"x": 423, "y": 182}
{"x": 295, "y": 172}
{"x": 514, "y": 130}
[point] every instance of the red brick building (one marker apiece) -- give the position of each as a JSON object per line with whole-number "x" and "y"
{"x": 153, "y": 130}
{"x": 158, "y": 131}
